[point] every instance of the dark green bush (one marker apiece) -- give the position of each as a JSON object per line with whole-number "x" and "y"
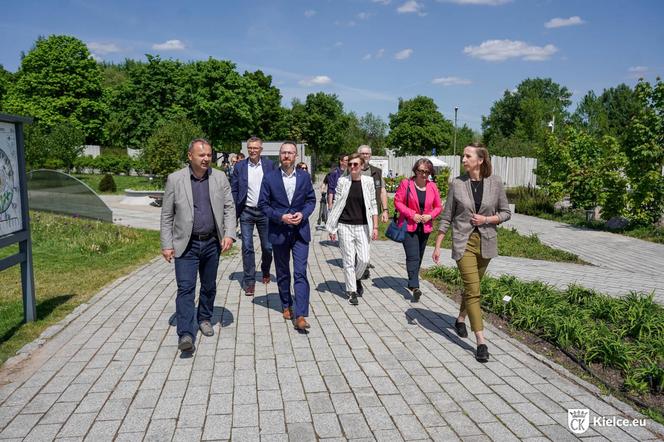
{"x": 107, "y": 184}
{"x": 530, "y": 200}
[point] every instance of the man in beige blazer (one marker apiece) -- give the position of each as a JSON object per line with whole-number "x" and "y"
{"x": 197, "y": 225}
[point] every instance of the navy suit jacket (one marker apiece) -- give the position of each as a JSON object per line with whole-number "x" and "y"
{"x": 274, "y": 204}
{"x": 240, "y": 181}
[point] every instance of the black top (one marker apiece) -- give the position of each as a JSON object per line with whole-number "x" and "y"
{"x": 421, "y": 197}
{"x": 478, "y": 189}
{"x": 354, "y": 212}
{"x": 203, "y": 216}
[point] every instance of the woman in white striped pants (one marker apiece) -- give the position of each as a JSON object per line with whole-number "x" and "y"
{"x": 354, "y": 219}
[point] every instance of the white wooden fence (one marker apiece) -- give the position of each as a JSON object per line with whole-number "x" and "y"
{"x": 517, "y": 171}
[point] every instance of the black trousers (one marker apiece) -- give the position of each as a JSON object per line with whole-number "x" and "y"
{"x": 414, "y": 245}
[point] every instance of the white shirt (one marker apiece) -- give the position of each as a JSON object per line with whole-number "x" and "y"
{"x": 255, "y": 179}
{"x": 289, "y": 184}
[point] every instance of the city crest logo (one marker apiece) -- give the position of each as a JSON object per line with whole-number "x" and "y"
{"x": 578, "y": 420}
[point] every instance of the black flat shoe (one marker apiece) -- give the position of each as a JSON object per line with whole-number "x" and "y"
{"x": 482, "y": 354}
{"x": 417, "y": 294}
{"x": 461, "y": 329}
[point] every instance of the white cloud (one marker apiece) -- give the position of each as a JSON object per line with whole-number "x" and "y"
{"x": 480, "y": 2}
{"x": 380, "y": 53}
{"x": 367, "y": 57}
{"x": 411, "y": 6}
{"x": 309, "y": 13}
{"x": 637, "y": 72}
{"x": 338, "y": 44}
{"x": 382, "y": 2}
{"x": 562, "y": 22}
{"x": 103, "y": 48}
{"x": 318, "y": 80}
{"x": 364, "y": 15}
{"x": 169, "y": 45}
{"x": 501, "y": 50}
{"x": 349, "y": 23}
{"x": 451, "y": 81}
{"x": 404, "y": 54}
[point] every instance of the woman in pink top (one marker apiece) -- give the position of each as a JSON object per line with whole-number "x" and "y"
{"x": 418, "y": 203}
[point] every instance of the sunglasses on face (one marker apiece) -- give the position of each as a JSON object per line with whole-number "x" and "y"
{"x": 423, "y": 172}
{"x": 354, "y": 164}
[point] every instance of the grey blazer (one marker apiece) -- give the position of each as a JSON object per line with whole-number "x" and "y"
{"x": 460, "y": 207}
{"x": 177, "y": 211}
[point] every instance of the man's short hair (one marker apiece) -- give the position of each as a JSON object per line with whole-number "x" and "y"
{"x": 292, "y": 143}
{"x": 239, "y": 156}
{"x": 342, "y": 156}
{"x": 364, "y": 146}
{"x": 199, "y": 140}
{"x": 253, "y": 139}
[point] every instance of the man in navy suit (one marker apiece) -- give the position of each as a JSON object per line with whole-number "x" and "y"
{"x": 246, "y": 187}
{"x": 288, "y": 199}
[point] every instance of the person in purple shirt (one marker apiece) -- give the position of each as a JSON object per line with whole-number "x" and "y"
{"x": 333, "y": 178}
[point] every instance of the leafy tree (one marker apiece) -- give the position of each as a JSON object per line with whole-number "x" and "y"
{"x": 417, "y": 127}
{"x": 608, "y": 114}
{"x": 644, "y": 146}
{"x": 324, "y": 126}
{"x": 5, "y": 81}
{"x": 521, "y": 117}
{"x": 465, "y": 136}
{"x": 295, "y": 119}
{"x": 166, "y": 149}
{"x": 270, "y": 115}
{"x": 54, "y": 148}
{"x": 58, "y": 81}
{"x": 374, "y": 130}
{"x": 144, "y": 101}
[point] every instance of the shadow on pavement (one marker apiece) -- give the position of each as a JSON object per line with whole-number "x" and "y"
{"x": 271, "y": 301}
{"x": 440, "y": 323}
{"x": 338, "y": 262}
{"x": 220, "y": 315}
{"x": 392, "y": 282}
{"x": 333, "y": 286}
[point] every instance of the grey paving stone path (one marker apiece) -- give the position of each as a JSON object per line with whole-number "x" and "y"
{"x": 387, "y": 369}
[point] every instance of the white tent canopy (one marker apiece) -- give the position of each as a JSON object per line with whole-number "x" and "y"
{"x": 437, "y": 162}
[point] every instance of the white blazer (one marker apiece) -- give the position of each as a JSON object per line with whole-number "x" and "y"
{"x": 343, "y": 187}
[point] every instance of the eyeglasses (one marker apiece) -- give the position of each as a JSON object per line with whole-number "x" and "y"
{"x": 354, "y": 164}
{"x": 423, "y": 172}
{"x": 304, "y": 168}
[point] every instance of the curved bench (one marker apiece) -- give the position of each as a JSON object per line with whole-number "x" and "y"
{"x": 143, "y": 197}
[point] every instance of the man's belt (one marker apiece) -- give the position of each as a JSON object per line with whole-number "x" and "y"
{"x": 204, "y": 236}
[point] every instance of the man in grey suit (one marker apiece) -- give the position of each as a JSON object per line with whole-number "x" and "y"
{"x": 197, "y": 225}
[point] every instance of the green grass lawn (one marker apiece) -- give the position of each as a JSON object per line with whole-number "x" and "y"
{"x": 510, "y": 243}
{"x": 73, "y": 259}
{"x": 122, "y": 182}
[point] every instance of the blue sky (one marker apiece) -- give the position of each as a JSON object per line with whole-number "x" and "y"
{"x": 463, "y": 53}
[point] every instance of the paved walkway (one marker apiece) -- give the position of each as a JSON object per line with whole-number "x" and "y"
{"x": 384, "y": 370}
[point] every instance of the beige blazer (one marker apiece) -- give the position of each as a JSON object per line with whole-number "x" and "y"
{"x": 460, "y": 207}
{"x": 177, "y": 210}
{"x": 343, "y": 187}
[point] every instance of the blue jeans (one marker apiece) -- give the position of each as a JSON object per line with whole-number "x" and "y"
{"x": 414, "y": 244}
{"x": 249, "y": 218}
{"x": 200, "y": 257}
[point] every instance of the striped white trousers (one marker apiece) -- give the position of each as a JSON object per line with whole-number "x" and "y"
{"x": 353, "y": 242}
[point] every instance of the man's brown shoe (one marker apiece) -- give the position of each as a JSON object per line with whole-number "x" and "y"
{"x": 301, "y": 323}
{"x": 288, "y": 314}
{"x": 266, "y": 279}
{"x": 250, "y": 290}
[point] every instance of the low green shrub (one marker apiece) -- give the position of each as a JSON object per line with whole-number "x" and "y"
{"x": 530, "y": 200}
{"x": 625, "y": 334}
{"x": 107, "y": 184}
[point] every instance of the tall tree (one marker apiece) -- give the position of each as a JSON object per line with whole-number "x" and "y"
{"x": 145, "y": 100}
{"x": 59, "y": 81}
{"x": 324, "y": 126}
{"x": 521, "y": 118}
{"x": 271, "y": 116}
{"x": 417, "y": 128}
{"x": 375, "y": 132}
{"x": 5, "y": 81}
{"x": 608, "y": 114}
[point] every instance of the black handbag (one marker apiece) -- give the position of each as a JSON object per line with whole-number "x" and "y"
{"x": 394, "y": 232}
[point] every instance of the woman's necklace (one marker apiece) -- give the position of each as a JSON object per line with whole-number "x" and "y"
{"x": 479, "y": 183}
